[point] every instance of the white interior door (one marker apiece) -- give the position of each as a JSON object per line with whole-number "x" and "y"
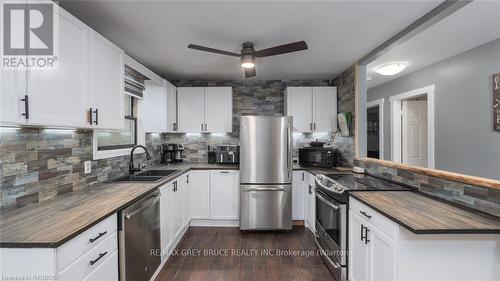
{"x": 414, "y": 133}
{"x": 190, "y": 109}
{"x": 324, "y": 109}
{"x": 218, "y": 109}
{"x": 59, "y": 97}
{"x": 299, "y": 106}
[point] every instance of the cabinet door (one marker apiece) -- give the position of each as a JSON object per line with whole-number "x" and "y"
{"x": 382, "y": 256}
{"x": 186, "y": 200}
{"x": 219, "y": 109}
{"x": 297, "y": 204}
{"x": 299, "y": 106}
{"x": 305, "y": 198}
{"x": 199, "y": 194}
{"x": 324, "y": 109}
{"x": 178, "y": 211}
{"x": 171, "y": 107}
{"x": 12, "y": 90}
{"x": 166, "y": 217}
{"x": 59, "y": 97}
{"x": 224, "y": 195}
{"x": 108, "y": 270}
{"x": 154, "y": 107}
{"x": 312, "y": 201}
{"x": 190, "y": 109}
{"x": 106, "y": 83}
{"x": 358, "y": 250}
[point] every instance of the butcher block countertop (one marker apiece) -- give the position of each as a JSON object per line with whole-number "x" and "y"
{"x": 423, "y": 215}
{"x": 51, "y": 223}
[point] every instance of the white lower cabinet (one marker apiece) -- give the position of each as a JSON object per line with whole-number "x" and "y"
{"x": 224, "y": 195}
{"x": 199, "y": 194}
{"x": 166, "y": 218}
{"x": 108, "y": 270}
{"x": 297, "y": 203}
{"x": 381, "y": 250}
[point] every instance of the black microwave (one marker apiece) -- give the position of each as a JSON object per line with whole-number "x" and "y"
{"x": 324, "y": 157}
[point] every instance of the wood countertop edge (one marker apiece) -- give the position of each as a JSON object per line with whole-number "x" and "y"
{"x": 183, "y": 169}
{"x": 427, "y": 230}
{"x": 473, "y": 180}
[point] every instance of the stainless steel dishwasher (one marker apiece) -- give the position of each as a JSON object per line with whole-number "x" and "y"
{"x": 139, "y": 238}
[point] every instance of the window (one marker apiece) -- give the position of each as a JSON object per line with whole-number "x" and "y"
{"x": 112, "y": 143}
{"x": 126, "y": 138}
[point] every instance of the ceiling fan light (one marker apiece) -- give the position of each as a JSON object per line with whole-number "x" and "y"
{"x": 391, "y": 68}
{"x": 247, "y": 61}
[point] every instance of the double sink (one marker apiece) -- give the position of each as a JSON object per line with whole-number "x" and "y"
{"x": 147, "y": 176}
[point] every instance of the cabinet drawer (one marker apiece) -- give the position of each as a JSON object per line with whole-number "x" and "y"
{"x": 371, "y": 216}
{"x": 91, "y": 260}
{"x": 107, "y": 270}
{"x": 82, "y": 243}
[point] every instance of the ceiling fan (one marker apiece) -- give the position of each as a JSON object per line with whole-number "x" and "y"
{"x": 248, "y": 53}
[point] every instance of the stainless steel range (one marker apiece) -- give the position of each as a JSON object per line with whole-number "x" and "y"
{"x": 331, "y": 214}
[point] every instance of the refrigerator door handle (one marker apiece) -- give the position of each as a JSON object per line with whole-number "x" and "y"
{"x": 288, "y": 152}
{"x": 247, "y": 189}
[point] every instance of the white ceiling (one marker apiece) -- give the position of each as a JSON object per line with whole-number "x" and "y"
{"x": 338, "y": 33}
{"x": 473, "y": 25}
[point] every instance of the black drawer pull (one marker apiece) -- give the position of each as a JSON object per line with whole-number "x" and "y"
{"x": 26, "y": 113}
{"x": 366, "y": 235}
{"x": 91, "y": 240}
{"x": 365, "y": 214}
{"x": 98, "y": 258}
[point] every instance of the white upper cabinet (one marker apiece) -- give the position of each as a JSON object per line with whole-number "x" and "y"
{"x": 171, "y": 123}
{"x": 204, "y": 110}
{"x": 106, "y": 83}
{"x": 299, "y": 106}
{"x": 12, "y": 95}
{"x": 218, "y": 109}
{"x": 324, "y": 109}
{"x": 154, "y": 107}
{"x": 314, "y": 109}
{"x": 190, "y": 109}
{"x": 160, "y": 107}
{"x": 59, "y": 97}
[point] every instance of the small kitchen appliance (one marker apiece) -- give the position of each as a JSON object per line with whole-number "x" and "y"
{"x": 227, "y": 154}
{"x": 323, "y": 157}
{"x": 171, "y": 153}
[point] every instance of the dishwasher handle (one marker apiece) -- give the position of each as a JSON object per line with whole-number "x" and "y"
{"x": 142, "y": 208}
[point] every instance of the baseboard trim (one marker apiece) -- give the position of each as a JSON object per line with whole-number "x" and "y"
{"x": 218, "y": 223}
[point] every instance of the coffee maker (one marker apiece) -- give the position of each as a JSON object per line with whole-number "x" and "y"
{"x": 171, "y": 153}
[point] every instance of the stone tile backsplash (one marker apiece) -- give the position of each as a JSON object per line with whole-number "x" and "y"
{"x": 477, "y": 197}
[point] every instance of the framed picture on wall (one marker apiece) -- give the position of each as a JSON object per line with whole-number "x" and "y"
{"x": 496, "y": 102}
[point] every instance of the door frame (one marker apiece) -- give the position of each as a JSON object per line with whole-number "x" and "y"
{"x": 396, "y": 112}
{"x": 380, "y": 104}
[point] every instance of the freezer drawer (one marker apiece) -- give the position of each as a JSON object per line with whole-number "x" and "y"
{"x": 265, "y": 207}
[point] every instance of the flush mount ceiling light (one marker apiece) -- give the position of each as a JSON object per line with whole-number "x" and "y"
{"x": 391, "y": 68}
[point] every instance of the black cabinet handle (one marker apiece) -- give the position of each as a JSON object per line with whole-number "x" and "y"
{"x": 206, "y": 127}
{"x": 90, "y": 116}
{"x": 174, "y": 126}
{"x": 96, "y": 116}
{"x": 202, "y": 127}
{"x": 310, "y": 189}
{"x": 366, "y": 235}
{"x": 303, "y": 175}
{"x": 365, "y": 214}
{"x": 314, "y": 126}
{"x": 91, "y": 240}
{"x": 310, "y": 126}
{"x": 26, "y": 113}
{"x": 187, "y": 178}
{"x": 98, "y": 258}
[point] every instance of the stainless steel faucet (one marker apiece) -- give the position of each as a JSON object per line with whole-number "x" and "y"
{"x": 131, "y": 167}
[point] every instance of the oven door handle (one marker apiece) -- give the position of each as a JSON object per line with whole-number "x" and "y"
{"x": 318, "y": 182}
{"x": 332, "y": 263}
{"x": 333, "y": 206}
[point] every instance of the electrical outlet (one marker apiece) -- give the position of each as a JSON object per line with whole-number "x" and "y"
{"x": 88, "y": 167}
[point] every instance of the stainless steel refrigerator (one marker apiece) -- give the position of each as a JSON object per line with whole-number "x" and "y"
{"x": 265, "y": 172}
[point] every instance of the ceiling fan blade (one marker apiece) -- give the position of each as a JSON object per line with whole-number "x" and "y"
{"x": 250, "y": 72}
{"x": 282, "y": 49}
{"x": 212, "y": 50}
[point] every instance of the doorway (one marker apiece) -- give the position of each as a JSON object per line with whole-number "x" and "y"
{"x": 375, "y": 129}
{"x": 412, "y": 127}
